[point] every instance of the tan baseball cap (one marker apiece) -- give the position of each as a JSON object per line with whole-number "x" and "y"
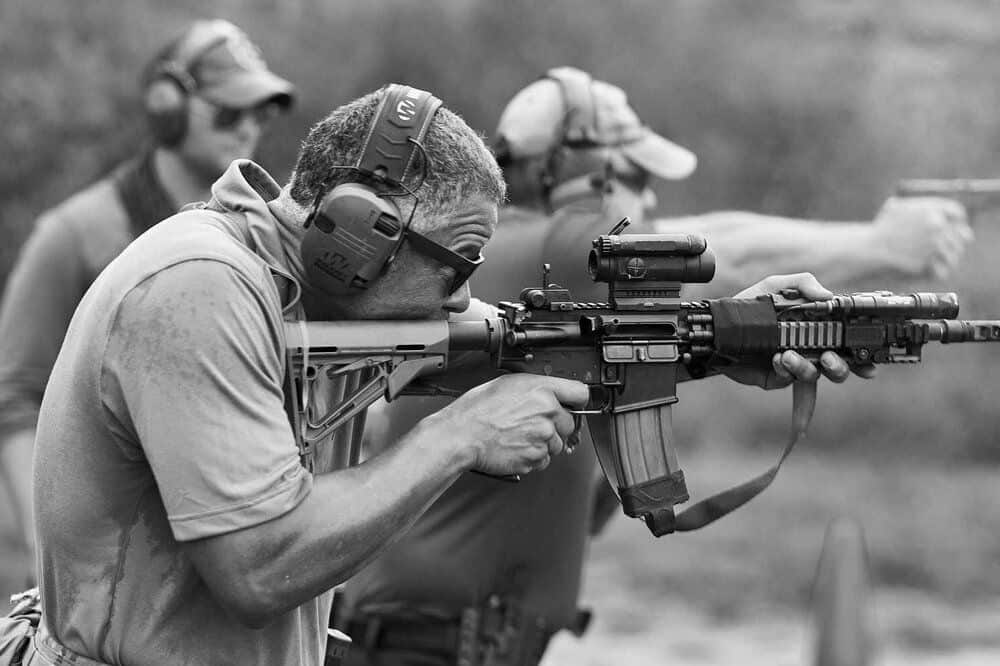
{"x": 227, "y": 68}
{"x": 568, "y": 108}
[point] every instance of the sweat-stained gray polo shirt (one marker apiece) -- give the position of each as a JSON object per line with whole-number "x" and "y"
{"x": 164, "y": 422}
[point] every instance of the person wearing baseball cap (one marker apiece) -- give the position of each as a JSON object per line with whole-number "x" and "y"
{"x": 567, "y": 109}
{"x": 569, "y": 143}
{"x": 495, "y": 568}
{"x": 564, "y": 136}
{"x": 208, "y": 96}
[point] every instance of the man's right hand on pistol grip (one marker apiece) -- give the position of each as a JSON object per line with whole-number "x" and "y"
{"x": 513, "y": 424}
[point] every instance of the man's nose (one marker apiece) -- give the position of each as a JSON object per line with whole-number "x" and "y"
{"x": 249, "y": 128}
{"x": 458, "y": 300}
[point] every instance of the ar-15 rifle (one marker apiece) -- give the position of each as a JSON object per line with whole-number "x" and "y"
{"x": 976, "y": 194}
{"x": 631, "y": 351}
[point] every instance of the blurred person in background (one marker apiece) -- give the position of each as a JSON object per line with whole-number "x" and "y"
{"x": 574, "y": 146}
{"x": 496, "y": 567}
{"x": 208, "y": 96}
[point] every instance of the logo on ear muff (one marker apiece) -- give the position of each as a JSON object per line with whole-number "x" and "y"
{"x": 406, "y": 109}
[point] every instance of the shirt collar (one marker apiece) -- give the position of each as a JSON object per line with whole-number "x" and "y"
{"x": 247, "y": 190}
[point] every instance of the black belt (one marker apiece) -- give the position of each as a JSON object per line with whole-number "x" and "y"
{"x": 380, "y": 632}
{"x": 495, "y": 634}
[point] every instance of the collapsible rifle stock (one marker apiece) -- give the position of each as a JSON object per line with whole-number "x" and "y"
{"x": 631, "y": 351}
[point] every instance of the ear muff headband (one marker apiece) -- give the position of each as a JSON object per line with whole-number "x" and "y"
{"x": 401, "y": 122}
{"x": 355, "y": 230}
{"x": 580, "y": 128}
{"x": 579, "y": 131}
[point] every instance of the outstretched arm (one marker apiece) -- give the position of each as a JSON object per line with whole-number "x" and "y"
{"x": 908, "y": 238}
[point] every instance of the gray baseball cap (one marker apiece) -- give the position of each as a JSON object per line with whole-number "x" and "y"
{"x": 548, "y": 113}
{"x": 227, "y": 68}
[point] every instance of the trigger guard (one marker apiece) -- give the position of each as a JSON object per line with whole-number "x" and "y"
{"x": 599, "y": 401}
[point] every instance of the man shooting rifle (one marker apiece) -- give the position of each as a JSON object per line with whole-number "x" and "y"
{"x": 178, "y": 519}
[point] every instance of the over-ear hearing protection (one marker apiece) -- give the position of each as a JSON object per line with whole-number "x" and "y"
{"x": 171, "y": 83}
{"x": 579, "y": 129}
{"x": 354, "y": 231}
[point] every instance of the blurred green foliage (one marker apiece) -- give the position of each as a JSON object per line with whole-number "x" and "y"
{"x": 805, "y": 108}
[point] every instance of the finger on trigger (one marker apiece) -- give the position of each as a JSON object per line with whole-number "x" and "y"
{"x": 569, "y": 391}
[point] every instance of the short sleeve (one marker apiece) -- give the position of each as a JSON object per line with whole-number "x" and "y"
{"x": 193, "y": 367}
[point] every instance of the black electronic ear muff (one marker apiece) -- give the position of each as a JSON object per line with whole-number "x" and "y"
{"x": 170, "y": 83}
{"x": 580, "y": 123}
{"x": 354, "y": 231}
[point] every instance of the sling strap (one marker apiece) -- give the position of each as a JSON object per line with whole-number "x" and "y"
{"x": 711, "y": 509}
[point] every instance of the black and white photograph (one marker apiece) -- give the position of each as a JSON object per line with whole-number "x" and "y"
{"x": 499, "y": 333}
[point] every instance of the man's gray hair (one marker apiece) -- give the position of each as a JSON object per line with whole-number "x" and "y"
{"x": 458, "y": 166}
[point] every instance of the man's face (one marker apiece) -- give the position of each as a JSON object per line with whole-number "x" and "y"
{"x": 218, "y": 135}
{"x": 416, "y": 286}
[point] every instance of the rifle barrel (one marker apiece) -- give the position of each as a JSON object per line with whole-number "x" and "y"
{"x": 963, "y": 330}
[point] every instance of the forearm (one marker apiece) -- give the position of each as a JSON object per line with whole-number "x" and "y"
{"x": 347, "y": 519}
{"x": 749, "y": 246}
{"x": 359, "y": 511}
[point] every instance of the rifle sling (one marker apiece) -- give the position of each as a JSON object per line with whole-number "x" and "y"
{"x": 711, "y": 509}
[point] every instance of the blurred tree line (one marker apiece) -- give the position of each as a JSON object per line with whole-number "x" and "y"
{"x": 796, "y": 107}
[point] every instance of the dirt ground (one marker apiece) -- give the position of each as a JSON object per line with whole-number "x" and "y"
{"x": 739, "y": 592}
{"x": 684, "y": 636}
{"x": 912, "y": 628}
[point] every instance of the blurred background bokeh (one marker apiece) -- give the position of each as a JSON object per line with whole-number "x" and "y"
{"x": 806, "y": 108}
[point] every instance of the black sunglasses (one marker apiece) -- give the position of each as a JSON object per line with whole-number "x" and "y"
{"x": 463, "y": 266}
{"x": 226, "y": 117}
